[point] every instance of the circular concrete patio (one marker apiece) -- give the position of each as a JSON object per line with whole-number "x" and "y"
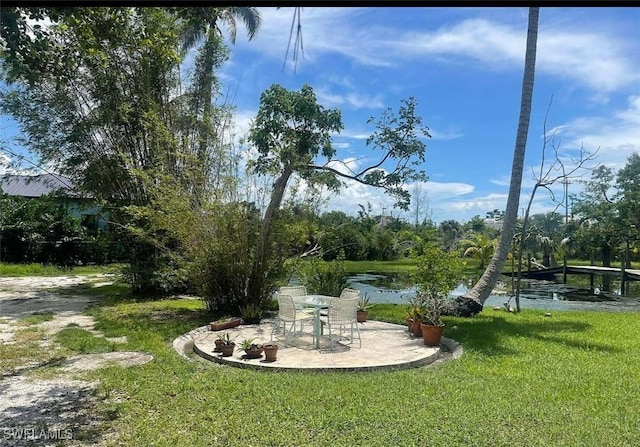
{"x": 385, "y": 346}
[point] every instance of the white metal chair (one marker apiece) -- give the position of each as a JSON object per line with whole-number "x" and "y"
{"x": 289, "y": 316}
{"x": 346, "y": 293}
{"x": 349, "y": 293}
{"x": 342, "y": 313}
{"x": 293, "y": 291}
{"x": 296, "y": 292}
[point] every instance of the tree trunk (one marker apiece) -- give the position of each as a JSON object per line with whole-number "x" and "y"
{"x": 472, "y": 302}
{"x": 256, "y": 287}
{"x": 606, "y": 262}
{"x": 205, "y": 124}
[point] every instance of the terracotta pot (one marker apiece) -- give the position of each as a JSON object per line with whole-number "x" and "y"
{"x": 270, "y": 352}
{"x": 414, "y": 327}
{"x": 431, "y": 335}
{"x": 218, "y": 345}
{"x": 254, "y": 353}
{"x": 224, "y": 324}
{"x": 227, "y": 350}
{"x": 362, "y": 316}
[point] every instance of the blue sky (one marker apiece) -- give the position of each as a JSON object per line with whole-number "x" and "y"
{"x": 464, "y": 67}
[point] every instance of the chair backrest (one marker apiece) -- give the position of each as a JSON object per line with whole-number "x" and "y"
{"x": 286, "y": 307}
{"x": 343, "y": 310}
{"x": 349, "y": 293}
{"x": 293, "y": 290}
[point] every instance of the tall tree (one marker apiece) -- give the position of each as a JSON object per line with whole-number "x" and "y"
{"x": 628, "y": 182}
{"x": 98, "y": 94}
{"x": 200, "y": 26}
{"x": 472, "y": 302}
{"x": 599, "y": 215}
{"x": 292, "y": 135}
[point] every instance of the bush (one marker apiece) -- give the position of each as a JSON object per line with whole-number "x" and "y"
{"x": 322, "y": 277}
{"x": 226, "y": 270}
{"x": 437, "y": 273}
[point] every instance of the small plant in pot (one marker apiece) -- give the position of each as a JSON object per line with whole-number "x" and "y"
{"x": 224, "y": 323}
{"x": 225, "y": 344}
{"x": 250, "y": 313}
{"x": 414, "y": 316}
{"x": 432, "y": 326}
{"x": 363, "y": 305}
{"x": 252, "y": 350}
{"x": 436, "y": 278}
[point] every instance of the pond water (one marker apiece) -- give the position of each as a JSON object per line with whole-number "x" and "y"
{"x": 398, "y": 288}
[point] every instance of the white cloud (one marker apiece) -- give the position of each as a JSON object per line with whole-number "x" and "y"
{"x": 354, "y": 134}
{"x": 242, "y": 121}
{"x": 480, "y": 39}
{"x": 462, "y": 209}
{"x": 324, "y": 30}
{"x": 4, "y": 163}
{"x": 351, "y": 99}
{"x": 617, "y": 134}
{"x": 348, "y": 166}
{"x": 594, "y": 58}
{"x": 448, "y": 134}
{"x": 440, "y": 191}
{"x": 598, "y": 60}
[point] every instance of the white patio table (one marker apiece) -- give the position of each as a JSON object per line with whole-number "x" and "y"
{"x": 317, "y": 302}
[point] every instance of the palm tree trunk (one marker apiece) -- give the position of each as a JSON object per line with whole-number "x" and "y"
{"x": 472, "y": 302}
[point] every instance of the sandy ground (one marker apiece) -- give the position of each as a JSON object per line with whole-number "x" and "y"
{"x": 59, "y": 410}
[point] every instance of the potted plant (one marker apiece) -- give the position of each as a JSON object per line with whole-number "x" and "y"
{"x": 226, "y": 344}
{"x": 436, "y": 277}
{"x": 414, "y": 316}
{"x": 225, "y": 323}
{"x": 270, "y": 351}
{"x": 432, "y": 326}
{"x": 363, "y": 305}
{"x": 250, "y": 313}
{"x": 251, "y": 349}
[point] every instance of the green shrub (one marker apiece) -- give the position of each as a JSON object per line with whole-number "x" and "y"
{"x": 226, "y": 270}
{"x": 323, "y": 277}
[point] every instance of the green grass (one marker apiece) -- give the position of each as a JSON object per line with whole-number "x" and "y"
{"x": 408, "y": 265}
{"x": 50, "y": 270}
{"x": 35, "y": 318}
{"x": 400, "y": 265}
{"x": 524, "y": 380}
{"x": 25, "y": 350}
{"x": 82, "y": 341}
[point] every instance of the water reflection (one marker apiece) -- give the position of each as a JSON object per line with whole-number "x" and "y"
{"x": 398, "y": 288}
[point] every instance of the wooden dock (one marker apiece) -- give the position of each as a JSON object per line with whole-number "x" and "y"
{"x": 629, "y": 274}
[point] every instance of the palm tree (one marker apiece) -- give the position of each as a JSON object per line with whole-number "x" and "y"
{"x": 480, "y": 247}
{"x": 472, "y": 302}
{"x": 201, "y": 25}
{"x": 201, "y": 21}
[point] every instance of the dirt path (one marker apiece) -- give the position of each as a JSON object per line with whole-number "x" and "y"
{"x": 59, "y": 409}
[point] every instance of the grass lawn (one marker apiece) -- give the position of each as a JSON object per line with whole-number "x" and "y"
{"x": 524, "y": 380}
{"x": 51, "y": 270}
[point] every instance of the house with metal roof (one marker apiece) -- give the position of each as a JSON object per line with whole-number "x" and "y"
{"x": 32, "y": 186}
{"x": 35, "y": 186}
